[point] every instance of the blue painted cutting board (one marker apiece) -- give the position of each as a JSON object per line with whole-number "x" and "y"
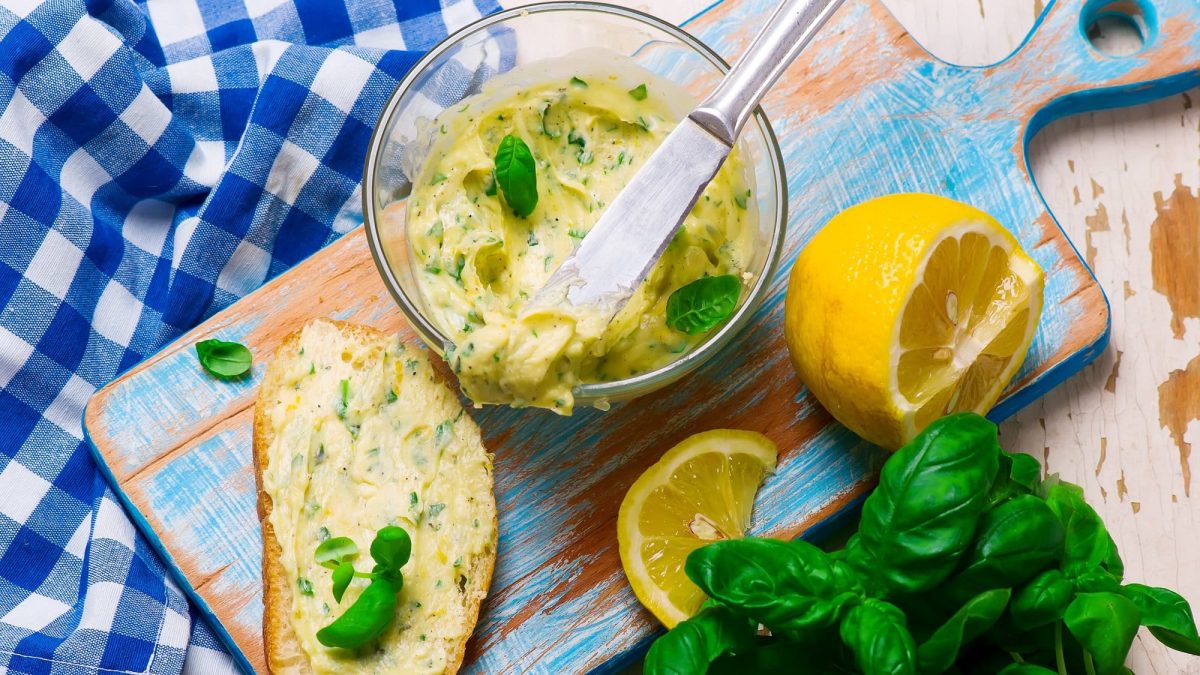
{"x": 864, "y": 112}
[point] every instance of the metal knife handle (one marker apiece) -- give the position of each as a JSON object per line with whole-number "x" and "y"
{"x": 787, "y": 33}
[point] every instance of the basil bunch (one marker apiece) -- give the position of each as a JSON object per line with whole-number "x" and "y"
{"x": 369, "y": 617}
{"x": 965, "y": 562}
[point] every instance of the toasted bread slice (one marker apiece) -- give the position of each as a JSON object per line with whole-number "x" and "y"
{"x": 354, "y": 431}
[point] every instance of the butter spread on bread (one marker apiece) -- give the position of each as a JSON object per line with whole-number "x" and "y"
{"x": 355, "y": 431}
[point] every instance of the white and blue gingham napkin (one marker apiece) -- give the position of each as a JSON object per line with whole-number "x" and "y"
{"x": 159, "y": 159}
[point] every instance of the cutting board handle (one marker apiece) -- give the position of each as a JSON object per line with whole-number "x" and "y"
{"x": 1057, "y": 71}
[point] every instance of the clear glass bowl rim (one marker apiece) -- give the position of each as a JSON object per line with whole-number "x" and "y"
{"x": 599, "y": 391}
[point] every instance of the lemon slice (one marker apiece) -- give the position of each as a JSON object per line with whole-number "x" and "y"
{"x": 702, "y": 490}
{"x": 909, "y": 307}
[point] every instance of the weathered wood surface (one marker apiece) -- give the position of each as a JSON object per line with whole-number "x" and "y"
{"x": 866, "y": 100}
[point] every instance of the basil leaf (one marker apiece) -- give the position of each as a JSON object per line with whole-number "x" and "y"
{"x": 703, "y": 304}
{"x": 1043, "y": 600}
{"x": 1087, "y": 543}
{"x": 516, "y": 174}
{"x": 938, "y": 653}
{"x": 342, "y": 575}
{"x": 1018, "y": 475}
{"x": 1105, "y": 625}
{"x": 1167, "y": 615}
{"x": 225, "y": 360}
{"x": 1025, "y": 471}
{"x": 787, "y": 586}
{"x": 638, "y": 93}
{"x": 1094, "y": 580}
{"x": 391, "y": 547}
{"x": 920, "y": 520}
{"x": 693, "y": 644}
{"x": 1013, "y": 542}
{"x": 578, "y": 82}
{"x": 333, "y": 552}
{"x": 363, "y": 622}
{"x": 876, "y": 633}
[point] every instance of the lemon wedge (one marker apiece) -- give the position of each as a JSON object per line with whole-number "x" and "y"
{"x": 908, "y": 307}
{"x": 702, "y": 490}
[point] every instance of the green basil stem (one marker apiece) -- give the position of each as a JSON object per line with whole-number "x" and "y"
{"x": 1059, "y": 659}
{"x": 1087, "y": 663}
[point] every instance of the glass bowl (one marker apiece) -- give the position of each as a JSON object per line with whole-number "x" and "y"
{"x": 519, "y": 38}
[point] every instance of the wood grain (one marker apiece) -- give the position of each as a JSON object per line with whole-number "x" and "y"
{"x": 559, "y": 602}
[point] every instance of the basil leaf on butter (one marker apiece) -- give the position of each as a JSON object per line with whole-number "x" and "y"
{"x": 638, "y": 93}
{"x": 516, "y": 174}
{"x": 703, "y": 304}
{"x": 225, "y": 360}
{"x": 391, "y": 547}
{"x": 342, "y": 576}
{"x": 333, "y": 552}
{"x": 578, "y": 82}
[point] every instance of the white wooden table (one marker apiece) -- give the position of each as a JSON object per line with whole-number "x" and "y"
{"x": 1125, "y": 184}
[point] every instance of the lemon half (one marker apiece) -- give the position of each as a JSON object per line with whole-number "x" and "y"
{"x": 701, "y": 491}
{"x": 908, "y": 307}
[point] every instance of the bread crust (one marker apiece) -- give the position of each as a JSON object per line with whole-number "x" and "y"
{"x": 283, "y": 652}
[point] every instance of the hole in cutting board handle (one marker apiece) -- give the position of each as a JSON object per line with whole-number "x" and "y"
{"x": 1120, "y": 28}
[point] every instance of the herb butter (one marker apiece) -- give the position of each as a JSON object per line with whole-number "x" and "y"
{"x": 478, "y": 262}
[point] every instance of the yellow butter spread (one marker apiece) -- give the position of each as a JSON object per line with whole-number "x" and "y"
{"x": 396, "y": 449}
{"x": 477, "y": 263}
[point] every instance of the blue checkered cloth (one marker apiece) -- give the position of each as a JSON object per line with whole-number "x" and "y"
{"x": 159, "y": 159}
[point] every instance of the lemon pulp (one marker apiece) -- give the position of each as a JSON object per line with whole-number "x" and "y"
{"x": 965, "y": 328}
{"x": 702, "y": 490}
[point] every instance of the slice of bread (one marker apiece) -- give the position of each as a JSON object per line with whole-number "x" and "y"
{"x": 392, "y": 445}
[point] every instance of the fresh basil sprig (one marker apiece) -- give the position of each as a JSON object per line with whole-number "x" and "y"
{"x": 703, "y": 304}
{"x": 225, "y": 360}
{"x": 516, "y": 174}
{"x": 965, "y": 561}
{"x": 369, "y": 617}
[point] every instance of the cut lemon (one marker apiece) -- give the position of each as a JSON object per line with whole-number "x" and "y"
{"x": 909, "y": 307}
{"x": 701, "y": 491}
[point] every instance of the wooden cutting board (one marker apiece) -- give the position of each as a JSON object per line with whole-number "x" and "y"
{"x": 864, "y": 112}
